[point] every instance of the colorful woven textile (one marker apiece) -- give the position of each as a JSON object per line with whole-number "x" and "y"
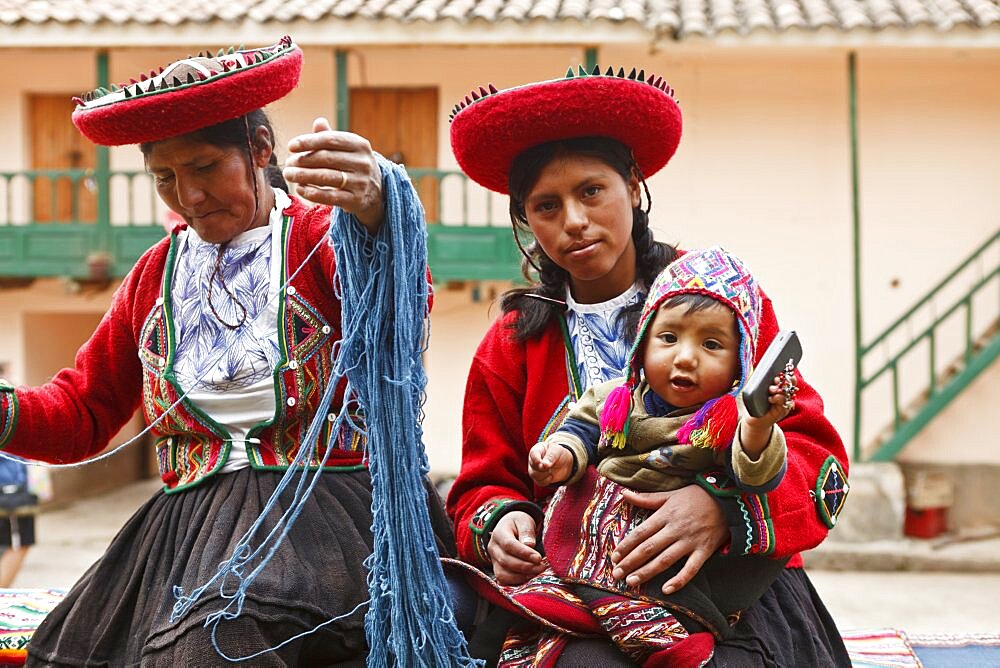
{"x": 879, "y": 648}
{"x": 893, "y": 648}
{"x": 577, "y": 594}
{"x": 21, "y": 611}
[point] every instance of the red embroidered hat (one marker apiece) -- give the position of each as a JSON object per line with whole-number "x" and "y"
{"x": 490, "y": 128}
{"x": 189, "y": 94}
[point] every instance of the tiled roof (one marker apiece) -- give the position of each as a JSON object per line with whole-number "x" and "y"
{"x": 677, "y": 18}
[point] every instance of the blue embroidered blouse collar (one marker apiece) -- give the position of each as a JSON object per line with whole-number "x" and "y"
{"x": 621, "y": 301}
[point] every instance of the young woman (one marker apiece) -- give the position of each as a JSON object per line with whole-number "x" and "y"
{"x": 573, "y": 154}
{"x": 222, "y": 334}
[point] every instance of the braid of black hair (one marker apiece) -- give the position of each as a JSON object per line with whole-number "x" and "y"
{"x": 217, "y": 272}
{"x": 651, "y": 256}
{"x": 253, "y": 171}
{"x": 527, "y": 262}
{"x": 549, "y": 283}
{"x": 534, "y": 313}
{"x": 273, "y": 174}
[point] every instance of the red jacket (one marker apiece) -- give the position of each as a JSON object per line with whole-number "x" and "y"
{"x": 128, "y": 364}
{"x": 515, "y": 388}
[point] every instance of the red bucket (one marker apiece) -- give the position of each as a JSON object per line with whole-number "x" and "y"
{"x": 926, "y": 522}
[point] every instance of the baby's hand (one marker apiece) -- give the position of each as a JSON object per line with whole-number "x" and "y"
{"x": 755, "y": 432}
{"x": 549, "y": 463}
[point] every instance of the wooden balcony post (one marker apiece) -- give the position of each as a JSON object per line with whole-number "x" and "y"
{"x": 343, "y": 92}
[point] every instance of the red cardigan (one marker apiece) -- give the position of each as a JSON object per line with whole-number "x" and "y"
{"x": 515, "y": 388}
{"x": 128, "y": 363}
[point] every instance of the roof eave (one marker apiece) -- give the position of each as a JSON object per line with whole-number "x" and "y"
{"x": 327, "y": 32}
{"x": 923, "y": 36}
{"x": 448, "y": 32}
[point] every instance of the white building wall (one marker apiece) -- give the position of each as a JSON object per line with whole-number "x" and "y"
{"x": 44, "y": 296}
{"x": 930, "y": 137}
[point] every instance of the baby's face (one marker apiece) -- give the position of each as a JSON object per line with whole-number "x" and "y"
{"x": 689, "y": 358}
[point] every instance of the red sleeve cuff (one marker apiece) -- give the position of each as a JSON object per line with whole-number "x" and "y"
{"x": 8, "y": 412}
{"x": 747, "y": 515}
{"x": 486, "y": 517}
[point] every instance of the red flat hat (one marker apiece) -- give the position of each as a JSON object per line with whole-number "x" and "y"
{"x": 189, "y": 94}
{"x": 490, "y": 128}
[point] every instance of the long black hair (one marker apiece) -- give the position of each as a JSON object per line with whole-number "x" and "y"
{"x": 651, "y": 256}
{"x": 239, "y": 132}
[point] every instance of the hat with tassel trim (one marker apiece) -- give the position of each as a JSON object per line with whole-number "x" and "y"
{"x": 189, "y": 94}
{"x": 721, "y": 276}
{"x": 491, "y": 127}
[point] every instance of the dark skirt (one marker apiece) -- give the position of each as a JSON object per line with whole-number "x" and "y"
{"x": 118, "y": 614}
{"x": 788, "y": 627}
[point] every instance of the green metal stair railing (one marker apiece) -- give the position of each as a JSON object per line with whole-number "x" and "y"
{"x": 473, "y": 243}
{"x": 980, "y": 349}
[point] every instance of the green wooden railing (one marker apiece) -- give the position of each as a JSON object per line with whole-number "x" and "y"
{"x": 468, "y": 230}
{"x": 58, "y": 222}
{"x": 977, "y": 348}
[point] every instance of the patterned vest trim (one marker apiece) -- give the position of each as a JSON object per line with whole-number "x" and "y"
{"x": 191, "y": 446}
{"x": 575, "y": 390}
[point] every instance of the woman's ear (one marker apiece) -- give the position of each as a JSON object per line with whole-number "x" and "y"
{"x": 263, "y": 146}
{"x": 634, "y": 189}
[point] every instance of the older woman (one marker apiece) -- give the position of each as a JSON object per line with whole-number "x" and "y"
{"x": 222, "y": 334}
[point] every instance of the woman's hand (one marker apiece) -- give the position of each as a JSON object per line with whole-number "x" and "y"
{"x": 686, "y": 522}
{"x": 339, "y": 169}
{"x": 512, "y": 549}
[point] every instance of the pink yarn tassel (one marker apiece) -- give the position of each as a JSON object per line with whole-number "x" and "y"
{"x": 614, "y": 416}
{"x": 713, "y": 426}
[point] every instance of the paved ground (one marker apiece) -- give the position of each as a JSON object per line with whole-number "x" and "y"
{"x": 917, "y": 602}
{"x": 72, "y": 538}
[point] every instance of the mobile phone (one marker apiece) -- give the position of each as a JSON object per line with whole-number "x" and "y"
{"x": 784, "y": 348}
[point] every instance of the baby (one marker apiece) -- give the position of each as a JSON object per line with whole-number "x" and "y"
{"x": 677, "y": 412}
{"x": 674, "y": 418}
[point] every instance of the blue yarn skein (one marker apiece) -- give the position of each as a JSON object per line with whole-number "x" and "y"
{"x": 385, "y": 291}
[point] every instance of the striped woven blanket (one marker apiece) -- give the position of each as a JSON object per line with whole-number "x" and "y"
{"x": 892, "y": 648}
{"x": 21, "y": 611}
